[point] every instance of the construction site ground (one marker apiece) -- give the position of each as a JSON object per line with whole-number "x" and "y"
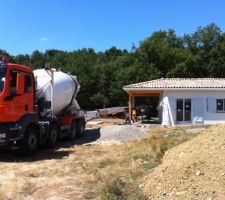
{"x": 192, "y": 170}
{"x": 192, "y": 167}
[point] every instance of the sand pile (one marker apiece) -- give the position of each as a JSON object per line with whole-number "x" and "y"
{"x": 192, "y": 170}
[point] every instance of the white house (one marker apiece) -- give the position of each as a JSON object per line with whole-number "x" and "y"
{"x": 184, "y": 100}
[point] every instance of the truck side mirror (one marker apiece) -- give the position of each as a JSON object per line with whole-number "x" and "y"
{"x": 20, "y": 84}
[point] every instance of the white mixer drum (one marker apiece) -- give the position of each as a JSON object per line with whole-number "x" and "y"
{"x": 64, "y": 88}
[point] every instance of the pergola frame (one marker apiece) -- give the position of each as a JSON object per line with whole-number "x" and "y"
{"x": 132, "y": 94}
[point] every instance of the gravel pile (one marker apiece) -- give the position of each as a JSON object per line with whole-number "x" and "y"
{"x": 121, "y": 132}
{"x": 112, "y": 134}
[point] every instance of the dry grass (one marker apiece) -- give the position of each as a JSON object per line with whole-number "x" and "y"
{"x": 83, "y": 172}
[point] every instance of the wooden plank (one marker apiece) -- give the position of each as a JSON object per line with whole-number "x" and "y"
{"x": 144, "y": 93}
{"x": 147, "y": 95}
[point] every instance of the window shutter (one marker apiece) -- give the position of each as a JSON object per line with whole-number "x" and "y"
{"x": 211, "y": 104}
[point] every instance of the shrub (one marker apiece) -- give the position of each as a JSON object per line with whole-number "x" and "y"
{"x": 121, "y": 188}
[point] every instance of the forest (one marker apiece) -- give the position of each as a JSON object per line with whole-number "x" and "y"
{"x": 102, "y": 75}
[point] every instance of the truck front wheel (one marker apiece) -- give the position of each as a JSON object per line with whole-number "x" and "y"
{"x": 80, "y": 127}
{"x": 73, "y": 131}
{"x": 53, "y": 136}
{"x": 30, "y": 142}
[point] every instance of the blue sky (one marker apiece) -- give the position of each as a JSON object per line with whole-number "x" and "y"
{"x": 28, "y": 25}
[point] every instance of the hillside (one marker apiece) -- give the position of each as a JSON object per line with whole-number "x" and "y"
{"x": 192, "y": 170}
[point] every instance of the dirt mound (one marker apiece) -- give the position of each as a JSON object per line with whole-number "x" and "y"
{"x": 192, "y": 170}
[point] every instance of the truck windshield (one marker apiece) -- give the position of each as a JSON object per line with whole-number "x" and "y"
{"x": 2, "y": 78}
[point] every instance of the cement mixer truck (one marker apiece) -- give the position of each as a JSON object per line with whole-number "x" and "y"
{"x": 37, "y": 107}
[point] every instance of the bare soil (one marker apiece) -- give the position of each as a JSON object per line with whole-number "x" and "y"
{"x": 192, "y": 170}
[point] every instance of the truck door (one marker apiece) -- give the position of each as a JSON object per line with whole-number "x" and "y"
{"x": 20, "y": 104}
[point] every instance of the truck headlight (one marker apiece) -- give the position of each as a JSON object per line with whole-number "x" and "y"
{"x": 2, "y": 135}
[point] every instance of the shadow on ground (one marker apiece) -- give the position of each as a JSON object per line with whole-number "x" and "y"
{"x": 61, "y": 150}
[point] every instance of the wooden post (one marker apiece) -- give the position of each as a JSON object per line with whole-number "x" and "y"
{"x": 132, "y": 107}
{"x": 133, "y": 100}
{"x": 129, "y": 105}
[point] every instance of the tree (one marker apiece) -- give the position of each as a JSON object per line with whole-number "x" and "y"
{"x": 200, "y": 44}
{"x": 99, "y": 100}
{"x": 23, "y": 59}
{"x": 38, "y": 60}
{"x": 102, "y": 75}
{"x": 216, "y": 66}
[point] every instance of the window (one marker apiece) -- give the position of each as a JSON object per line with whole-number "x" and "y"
{"x": 220, "y": 105}
{"x": 13, "y": 81}
{"x": 2, "y": 78}
{"x": 28, "y": 84}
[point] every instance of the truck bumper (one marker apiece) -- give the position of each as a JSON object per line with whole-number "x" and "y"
{"x": 9, "y": 134}
{"x": 4, "y": 135}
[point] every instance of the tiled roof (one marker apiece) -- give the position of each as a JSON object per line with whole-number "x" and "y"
{"x": 179, "y": 83}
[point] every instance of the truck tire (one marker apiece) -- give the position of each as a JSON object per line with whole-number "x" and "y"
{"x": 52, "y": 136}
{"x": 73, "y": 131}
{"x": 30, "y": 143}
{"x": 80, "y": 127}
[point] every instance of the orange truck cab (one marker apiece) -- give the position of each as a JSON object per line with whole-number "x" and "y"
{"x": 21, "y": 125}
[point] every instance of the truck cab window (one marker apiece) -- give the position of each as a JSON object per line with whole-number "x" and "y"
{"x": 28, "y": 84}
{"x": 2, "y": 78}
{"x": 13, "y": 81}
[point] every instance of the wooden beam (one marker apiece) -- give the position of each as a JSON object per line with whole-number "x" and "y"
{"x": 147, "y": 95}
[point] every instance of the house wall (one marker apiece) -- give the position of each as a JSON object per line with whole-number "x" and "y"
{"x": 203, "y": 103}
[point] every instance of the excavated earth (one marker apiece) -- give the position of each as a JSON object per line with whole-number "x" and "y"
{"x": 192, "y": 170}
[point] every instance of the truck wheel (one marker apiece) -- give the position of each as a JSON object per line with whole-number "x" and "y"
{"x": 73, "y": 131}
{"x": 53, "y": 136}
{"x": 30, "y": 142}
{"x": 80, "y": 127}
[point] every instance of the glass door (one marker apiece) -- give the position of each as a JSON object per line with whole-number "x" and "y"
{"x": 180, "y": 110}
{"x": 187, "y": 109}
{"x": 183, "y": 110}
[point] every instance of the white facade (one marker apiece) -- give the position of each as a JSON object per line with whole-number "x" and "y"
{"x": 202, "y": 105}
{"x": 185, "y": 100}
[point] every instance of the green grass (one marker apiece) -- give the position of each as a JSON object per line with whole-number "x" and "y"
{"x": 148, "y": 161}
{"x": 137, "y": 159}
{"x": 122, "y": 188}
